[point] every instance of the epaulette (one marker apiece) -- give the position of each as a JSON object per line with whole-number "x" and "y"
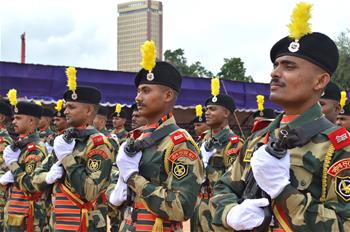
{"x": 99, "y": 139}
{"x": 340, "y": 138}
{"x": 31, "y": 147}
{"x": 178, "y": 137}
{"x": 234, "y": 139}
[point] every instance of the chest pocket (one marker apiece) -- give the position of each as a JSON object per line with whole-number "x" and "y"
{"x": 151, "y": 164}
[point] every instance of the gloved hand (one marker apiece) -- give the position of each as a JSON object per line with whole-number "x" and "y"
{"x": 127, "y": 165}
{"x": 206, "y": 154}
{"x": 49, "y": 148}
{"x": 10, "y": 156}
{"x": 62, "y": 148}
{"x": 247, "y": 215}
{"x": 55, "y": 173}
{"x": 271, "y": 174}
{"x": 7, "y": 178}
{"x": 119, "y": 193}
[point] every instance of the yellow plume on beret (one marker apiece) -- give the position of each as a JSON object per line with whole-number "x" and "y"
{"x": 148, "y": 51}
{"x": 118, "y": 108}
{"x": 299, "y": 25}
{"x": 12, "y": 96}
{"x": 343, "y": 99}
{"x": 260, "y": 100}
{"x": 199, "y": 111}
{"x": 59, "y": 105}
{"x": 71, "y": 73}
{"x": 215, "y": 86}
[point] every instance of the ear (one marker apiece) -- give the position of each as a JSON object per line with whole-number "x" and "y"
{"x": 337, "y": 109}
{"x": 321, "y": 81}
{"x": 168, "y": 95}
{"x": 90, "y": 109}
{"x": 226, "y": 113}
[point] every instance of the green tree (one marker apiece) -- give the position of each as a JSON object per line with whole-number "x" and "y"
{"x": 178, "y": 59}
{"x": 233, "y": 69}
{"x": 342, "y": 74}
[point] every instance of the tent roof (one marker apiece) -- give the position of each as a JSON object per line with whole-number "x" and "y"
{"x": 48, "y": 83}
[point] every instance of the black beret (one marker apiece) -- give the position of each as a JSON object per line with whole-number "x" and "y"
{"x": 133, "y": 108}
{"x": 84, "y": 94}
{"x": 163, "y": 74}
{"x": 5, "y": 109}
{"x": 47, "y": 113}
{"x": 346, "y": 110}
{"x": 60, "y": 113}
{"x": 103, "y": 111}
{"x": 122, "y": 114}
{"x": 315, "y": 47}
{"x": 28, "y": 108}
{"x": 332, "y": 92}
{"x": 222, "y": 100}
{"x": 266, "y": 113}
{"x": 199, "y": 119}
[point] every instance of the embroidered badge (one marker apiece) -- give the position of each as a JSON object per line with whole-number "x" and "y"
{"x": 178, "y": 137}
{"x": 179, "y": 170}
{"x": 248, "y": 155}
{"x": 231, "y": 159}
{"x": 339, "y": 166}
{"x": 234, "y": 139}
{"x": 182, "y": 153}
{"x": 98, "y": 140}
{"x": 29, "y": 168}
{"x": 31, "y": 146}
{"x": 99, "y": 152}
{"x": 342, "y": 187}
{"x": 94, "y": 165}
{"x": 339, "y": 138}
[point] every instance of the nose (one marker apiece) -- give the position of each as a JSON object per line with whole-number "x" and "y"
{"x": 138, "y": 97}
{"x": 275, "y": 73}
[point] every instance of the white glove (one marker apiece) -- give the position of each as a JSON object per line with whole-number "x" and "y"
{"x": 247, "y": 215}
{"x": 127, "y": 165}
{"x": 62, "y": 148}
{"x": 119, "y": 193}
{"x": 271, "y": 174}
{"x": 10, "y": 156}
{"x": 49, "y": 148}
{"x": 206, "y": 154}
{"x": 7, "y": 178}
{"x": 55, "y": 173}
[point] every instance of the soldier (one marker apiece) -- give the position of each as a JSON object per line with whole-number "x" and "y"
{"x": 343, "y": 118}
{"x": 137, "y": 121}
{"x": 118, "y": 120}
{"x": 80, "y": 166}
{"x": 330, "y": 102}
{"x": 262, "y": 119}
{"x": 219, "y": 149}
{"x": 5, "y": 139}
{"x": 100, "y": 120}
{"x": 199, "y": 124}
{"x": 308, "y": 183}
{"x": 164, "y": 175}
{"x": 25, "y": 208}
{"x": 44, "y": 124}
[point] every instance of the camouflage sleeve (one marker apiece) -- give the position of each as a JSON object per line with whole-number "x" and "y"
{"x": 175, "y": 199}
{"x": 304, "y": 212}
{"x": 23, "y": 173}
{"x": 89, "y": 178}
{"x": 4, "y": 141}
{"x": 41, "y": 172}
{"x": 227, "y": 191}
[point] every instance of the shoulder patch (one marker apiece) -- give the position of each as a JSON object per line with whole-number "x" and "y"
{"x": 340, "y": 138}
{"x": 1, "y": 139}
{"x": 342, "y": 187}
{"x": 339, "y": 166}
{"x": 234, "y": 139}
{"x": 178, "y": 137}
{"x": 98, "y": 152}
{"x": 98, "y": 140}
{"x": 182, "y": 153}
{"x": 248, "y": 155}
{"x": 31, "y": 147}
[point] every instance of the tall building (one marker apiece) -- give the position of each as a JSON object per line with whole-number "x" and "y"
{"x": 138, "y": 21}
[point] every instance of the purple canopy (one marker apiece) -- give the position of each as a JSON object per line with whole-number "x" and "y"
{"x": 48, "y": 83}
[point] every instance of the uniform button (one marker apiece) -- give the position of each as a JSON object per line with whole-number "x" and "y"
{"x": 302, "y": 183}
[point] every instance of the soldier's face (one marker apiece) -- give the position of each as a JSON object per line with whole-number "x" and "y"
{"x": 344, "y": 121}
{"x": 60, "y": 123}
{"x": 137, "y": 120}
{"x": 118, "y": 122}
{"x": 151, "y": 100}
{"x": 78, "y": 114}
{"x": 44, "y": 122}
{"x": 22, "y": 124}
{"x": 330, "y": 108}
{"x": 199, "y": 128}
{"x": 100, "y": 122}
{"x": 215, "y": 115}
{"x": 294, "y": 81}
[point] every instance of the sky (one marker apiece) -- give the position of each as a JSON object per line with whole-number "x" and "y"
{"x": 83, "y": 33}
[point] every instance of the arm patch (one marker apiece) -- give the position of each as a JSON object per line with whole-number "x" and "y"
{"x": 340, "y": 138}
{"x": 31, "y": 147}
{"x": 98, "y": 140}
{"x": 184, "y": 152}
{"x": 98, "y": 152}
{"x": 1, "y": 139}
{"x": 234, "y": 139}
{"x": 178, "y": 137}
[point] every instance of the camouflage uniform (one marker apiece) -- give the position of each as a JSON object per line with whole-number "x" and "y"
{"x": 227, "y": 146}
{"x": 24, "y": 201}
{"x": 5, "y": 140}
{"x": 82, "y": 188}
{"x": 46, "y": 135}
{"x": 122, "y": 135}
{"x": 167, "y": 185}
{"x": 317, "y": 199}
{"x": 114, "y": 142}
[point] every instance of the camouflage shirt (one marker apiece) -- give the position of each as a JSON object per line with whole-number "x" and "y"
{"x": 5, "y": 140}
{"x": 46, "y": 135}
{"x": 317, "y": 199}
{"x": 170, "y": 175}
{"x": 122, "y": 135}
{"x": 87, "y": 175}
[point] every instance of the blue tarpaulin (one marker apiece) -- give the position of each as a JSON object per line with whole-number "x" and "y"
{"x": 48, "y": 83}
